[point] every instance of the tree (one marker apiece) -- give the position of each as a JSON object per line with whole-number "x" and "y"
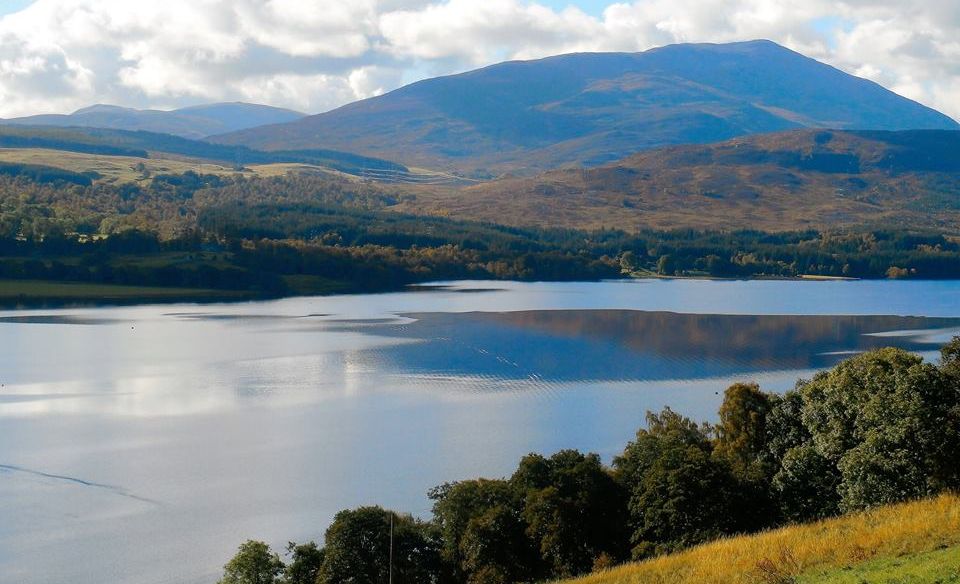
{"x": 717, "y": 266}
{"x": 628, "y": 261}
{"x": 680, "y": 495}
{"x": 804, "y": 484}
{"x": 742, "y": 431}
{"x": 464, "y": 510}
{"x": 888, "y": 422}
{"x": 357, "y": 549}
{"x": 742, "y": 444}
{"x": 805, "y": 487}
{"x": 666, "y": 265}
{"x": 950, "y": 360}
{"x": 785, "y": 429}
{"x": 306, "y": 560}
{"x": 253, "y": 564}
{"x": 493, "y": 550}
{"x": 663, "y": 428}
{"x": 574, "y": 509}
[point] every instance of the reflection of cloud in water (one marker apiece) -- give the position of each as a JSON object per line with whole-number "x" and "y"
{"x": 453, "y": 355}
{"x": 205, "y": 388}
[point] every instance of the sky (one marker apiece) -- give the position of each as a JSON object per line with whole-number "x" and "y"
{"x": 57, "y": 56}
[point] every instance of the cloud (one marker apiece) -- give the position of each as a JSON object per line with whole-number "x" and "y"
{"x": 480, "y": 32}
{"x": 313, "y": 55}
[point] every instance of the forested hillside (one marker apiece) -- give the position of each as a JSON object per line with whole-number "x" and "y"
{"x": 773, "y": 182}
{"x": 312, "y": 234}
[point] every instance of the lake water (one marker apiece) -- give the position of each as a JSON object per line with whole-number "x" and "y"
{"x": 143, "y": 444}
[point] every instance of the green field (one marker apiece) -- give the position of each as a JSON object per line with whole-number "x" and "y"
{"x": 936, "y": 567}
{"x": 38, "y": 292}
{"x": 17, "y": 292}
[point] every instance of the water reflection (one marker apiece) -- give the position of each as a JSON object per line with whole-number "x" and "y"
{"x": 263, "y": 420}
{"x": 539, "y": 347}
{"x": 200, "y": 363}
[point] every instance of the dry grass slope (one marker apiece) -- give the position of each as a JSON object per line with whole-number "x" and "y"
{"x": 778, "y": 556}
{"x": 122, "y": 169}
{"x": 775, "y": 182}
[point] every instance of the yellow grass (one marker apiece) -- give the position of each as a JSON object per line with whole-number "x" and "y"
{"x": 886, "y": 532}
{"x": 824, "y": 278}
{"x": 125, "y": 168}
{"x": 122, "y": 168}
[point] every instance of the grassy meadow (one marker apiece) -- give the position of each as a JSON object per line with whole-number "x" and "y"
{"x": 130, "y": 169}
{"x": 14, "y": 292}
{"x": 935, "y": 567}
{"x": 906, "y": 543}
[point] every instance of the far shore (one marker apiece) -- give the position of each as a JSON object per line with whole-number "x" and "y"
{"x": 33, "y": 294}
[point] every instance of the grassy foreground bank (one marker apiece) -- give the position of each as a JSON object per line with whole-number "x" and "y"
{"x": 936, "y": 567}
{"x": 911, "y": 542}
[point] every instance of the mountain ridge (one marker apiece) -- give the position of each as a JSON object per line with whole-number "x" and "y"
{"x": 192, "y": 122}
{"x": 593, "y": 108}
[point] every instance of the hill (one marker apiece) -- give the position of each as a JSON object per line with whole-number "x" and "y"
{"x": 913, "y": 542}
{"x": 107, "y": 143}
{"x": 192, "y": 122}
{"x": 594, "y": 108}
{"x": 776, "y": 182}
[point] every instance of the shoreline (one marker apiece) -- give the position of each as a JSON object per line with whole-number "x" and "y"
{"x": 40, "y": 294}
{"x": 35, "y": 294}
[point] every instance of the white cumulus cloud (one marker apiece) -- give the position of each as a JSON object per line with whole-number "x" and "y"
{"x": 313, "y": 55}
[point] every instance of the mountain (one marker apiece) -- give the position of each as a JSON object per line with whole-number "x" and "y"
{"x": 594, "y": 108}
{"x": 775, "y": 182}
{"x": 191, "y": 122}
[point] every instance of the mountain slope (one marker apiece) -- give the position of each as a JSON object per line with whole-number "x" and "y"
{"x": 192, "y": 122}
{"x": 593, "y": 108}
{"x": 777, "y": 182}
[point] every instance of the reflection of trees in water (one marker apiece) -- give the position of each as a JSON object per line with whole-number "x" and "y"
{"x": 754, "y": 340}
{"x": 623, "y": 345}
{"x": 569, "y": 345}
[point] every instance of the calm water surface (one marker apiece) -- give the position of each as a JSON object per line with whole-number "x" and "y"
{"x": 141, "y": 445}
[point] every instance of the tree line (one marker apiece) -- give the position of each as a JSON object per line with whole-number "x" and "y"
{"x": 255, "y": 234}
{"x": 879, "y": 428}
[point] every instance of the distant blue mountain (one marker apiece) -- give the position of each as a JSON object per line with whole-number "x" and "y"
{"x": 592, "y": 108}
{"x": 191, "y": 122}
